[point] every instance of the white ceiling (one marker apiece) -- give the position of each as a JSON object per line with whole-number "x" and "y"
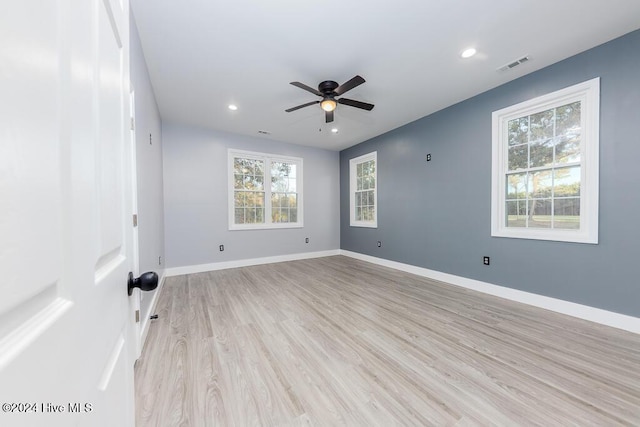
{"x": 203, "y": 55}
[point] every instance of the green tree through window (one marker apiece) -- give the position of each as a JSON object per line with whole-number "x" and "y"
{"x": 545, "y": 166}
{"x": 363, "y": 190}
{"x": 266, "y": 191}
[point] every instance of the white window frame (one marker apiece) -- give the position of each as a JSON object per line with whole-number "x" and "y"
{"x": 588, "y": 93}
{"x": 353, "y": 164}
{"x": 268, "y": 159}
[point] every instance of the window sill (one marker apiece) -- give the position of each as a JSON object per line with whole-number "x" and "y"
{"x": 364, "y": 224}
{"x": 264, "y": 227}
{"x": 570, "y": 236}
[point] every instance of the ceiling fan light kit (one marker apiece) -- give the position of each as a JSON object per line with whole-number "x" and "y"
{"x": 328, "y": 104}
{"x": 328, "y": 90}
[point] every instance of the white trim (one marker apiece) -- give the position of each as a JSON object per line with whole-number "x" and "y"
{"x": 145, "y": 321}
{"x": 589, "y": 94}
{"x": 267, "y": 158}
{"x": 585, "y": 312}
{"x": 134, "y": 183}
{"x": 201, "y": 268}
{"x": 353, "y": 164}
{"x": 597, "y": 315}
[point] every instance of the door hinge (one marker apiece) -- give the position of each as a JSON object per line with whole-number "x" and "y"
{"x": 137, "y": 316}
{"x": 135, "y": 220}
{"x": 133, "y": 126}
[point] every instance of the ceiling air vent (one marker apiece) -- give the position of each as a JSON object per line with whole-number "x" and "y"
{"x": 514, "y": 64}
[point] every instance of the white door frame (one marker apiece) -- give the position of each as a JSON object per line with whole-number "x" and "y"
{"x": 135, "y": 299}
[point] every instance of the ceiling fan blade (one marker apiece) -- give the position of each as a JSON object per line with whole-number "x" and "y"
{"x": 301, "y": 106}
{"x": 356, "y": 81}
{"x": 307, "y": 88}
{"x": 357, "y": 104}
{"x": 328, "y": 116}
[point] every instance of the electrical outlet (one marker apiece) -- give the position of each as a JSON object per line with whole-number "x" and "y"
{"x": 486, "y": 260}
{"x": 221, "y": 248}
{"x": 379, "y": 244}
{"x": 160, "y": 260}
{"x": 429, "y": 157}
{"x": 306, "y": 240}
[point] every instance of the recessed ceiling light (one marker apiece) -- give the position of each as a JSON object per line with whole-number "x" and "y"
{"x": 468, "y": 53}
{"x": 233, "y": 107}
{"x": 334, "y": 130}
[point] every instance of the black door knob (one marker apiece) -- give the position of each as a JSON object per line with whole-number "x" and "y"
{"x": 146, "y": 282}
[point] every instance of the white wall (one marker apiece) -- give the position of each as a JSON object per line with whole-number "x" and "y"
{"x": 195, "y": 196}
{"x": 149, "y": 170}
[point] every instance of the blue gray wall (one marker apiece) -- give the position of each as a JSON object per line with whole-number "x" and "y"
{"x": 195, "y": 195}
{"x": 436, "y": 215}
{"x": 148, "y": 169}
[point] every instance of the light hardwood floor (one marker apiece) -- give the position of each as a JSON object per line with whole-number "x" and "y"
{"x": 337, "y": 341}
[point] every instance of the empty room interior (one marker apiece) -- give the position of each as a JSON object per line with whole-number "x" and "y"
{"x": 374, "y": 214}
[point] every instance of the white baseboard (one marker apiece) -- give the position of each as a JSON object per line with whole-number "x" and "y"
{"x": 201, "y": 268}
{"x": 146, "y": 322}
{"x": 597, "y": 315}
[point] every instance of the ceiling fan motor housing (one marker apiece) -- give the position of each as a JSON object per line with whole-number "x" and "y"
{"x": 328, "y": 86}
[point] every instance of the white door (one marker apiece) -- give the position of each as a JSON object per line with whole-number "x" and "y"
{"x": 65, "y": 206}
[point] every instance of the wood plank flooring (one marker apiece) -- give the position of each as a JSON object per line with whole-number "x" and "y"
{"x": 337, "y": 341}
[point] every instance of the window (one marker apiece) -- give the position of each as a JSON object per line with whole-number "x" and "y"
{"x": 363, "y": 186}
{"x": 265, "y": 191}
{"x": 545, "y": 167}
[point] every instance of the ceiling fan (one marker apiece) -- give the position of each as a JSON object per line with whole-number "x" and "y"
{"x": 328, "y": 90}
